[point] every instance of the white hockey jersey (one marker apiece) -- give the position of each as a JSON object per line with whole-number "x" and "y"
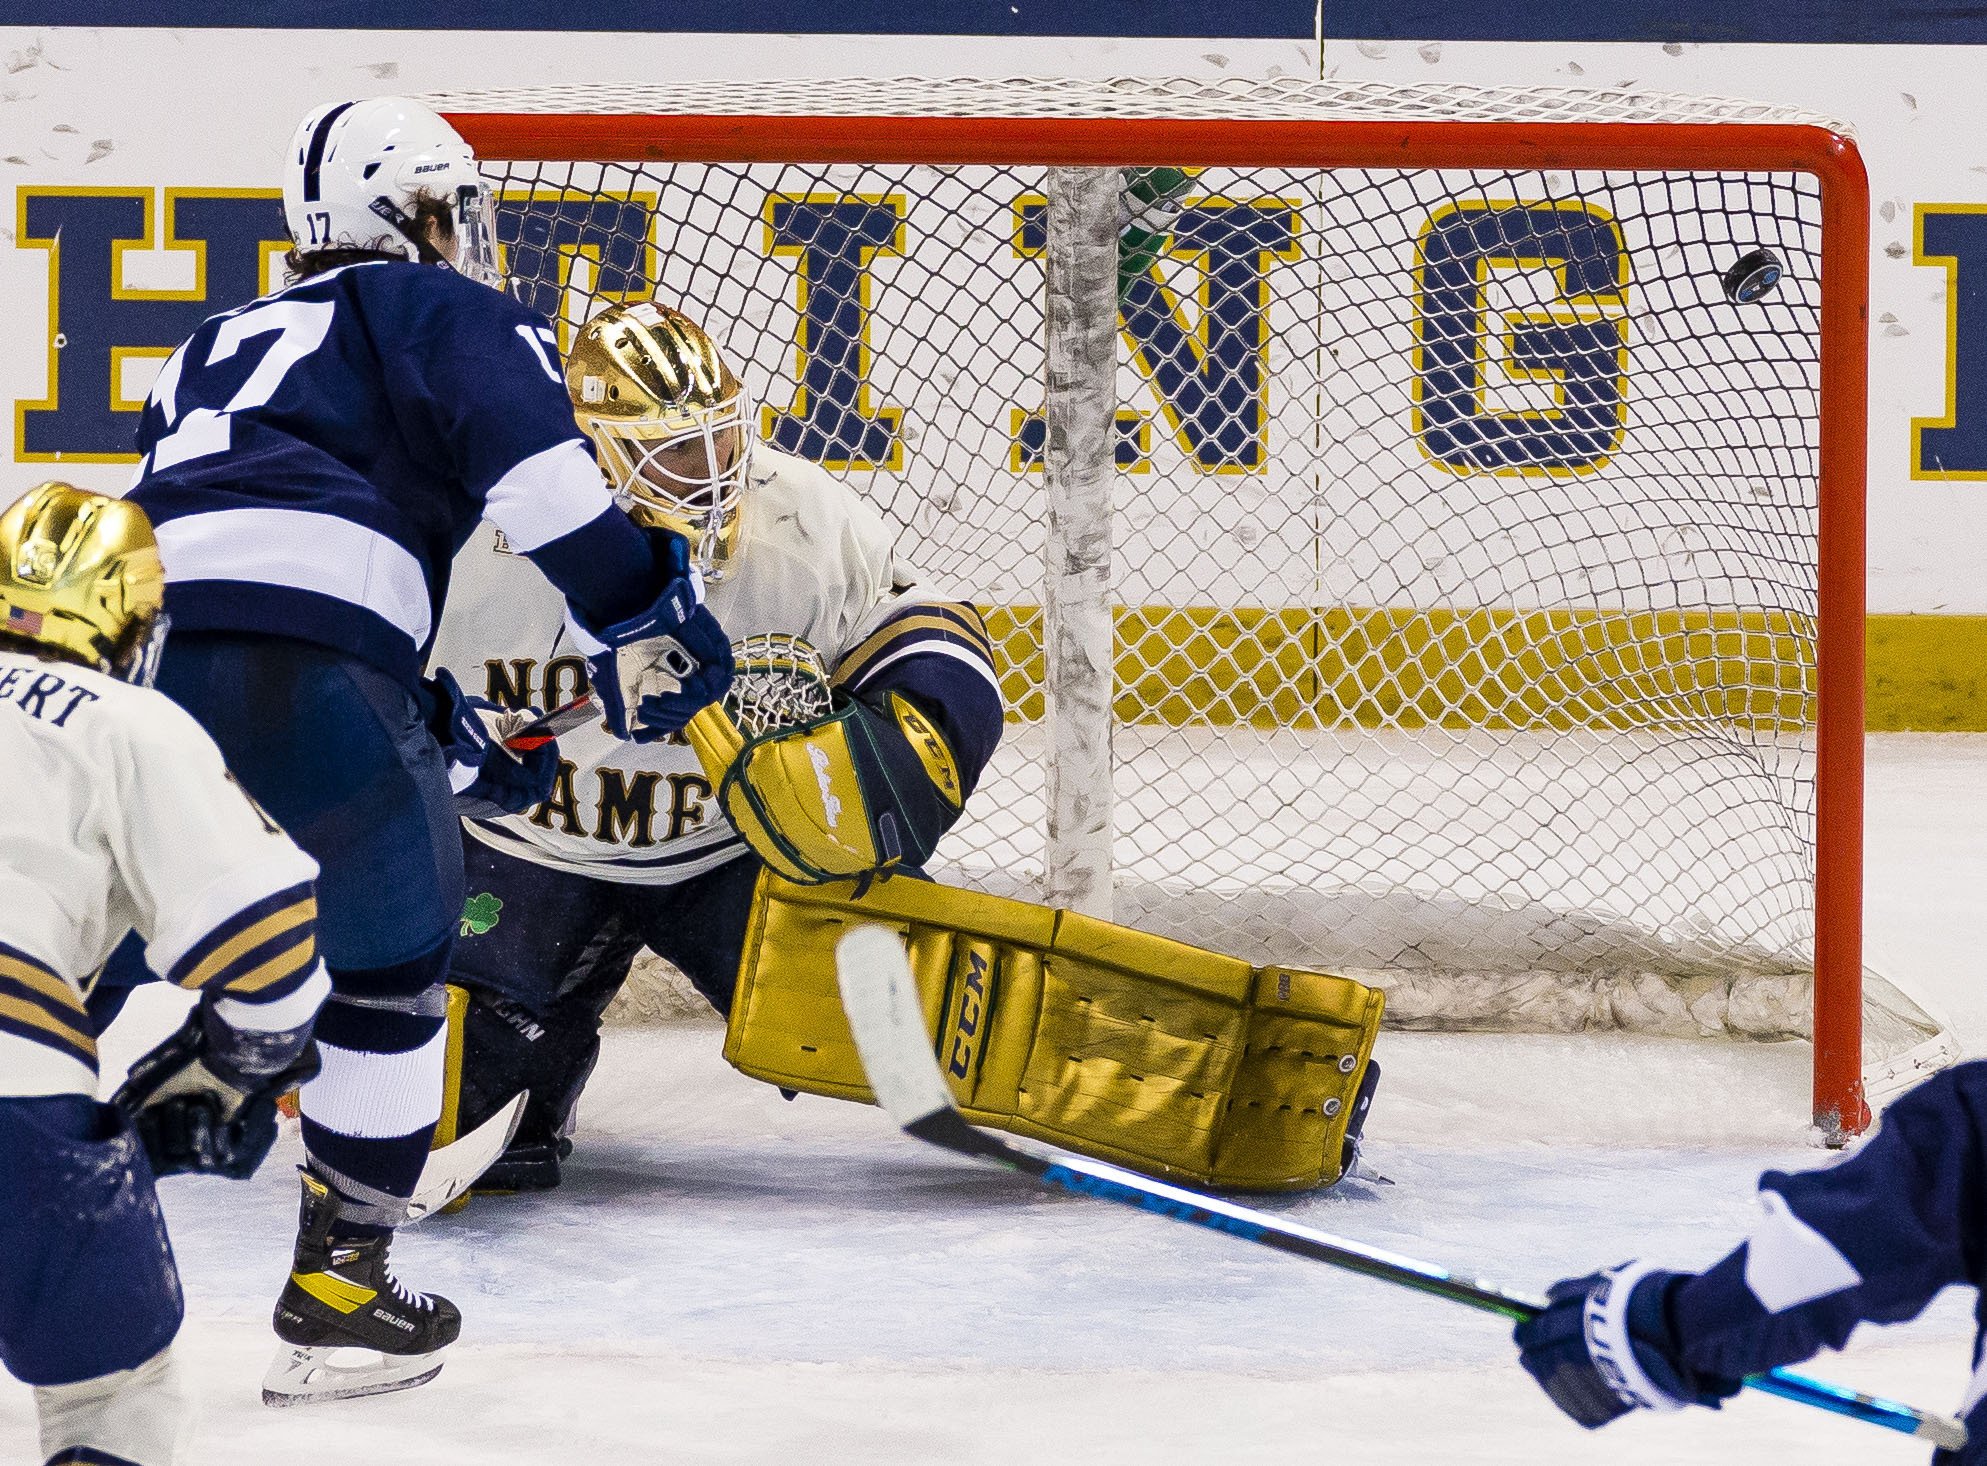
{"x": 120, "y": 814}
{"x": 813, "y": 560}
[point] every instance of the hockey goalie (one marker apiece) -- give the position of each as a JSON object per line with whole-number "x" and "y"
{"x": 866, "y": 707}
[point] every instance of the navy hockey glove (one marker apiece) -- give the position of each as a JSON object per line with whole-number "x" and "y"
{"x": 204, "y": 1100}
{"x": 651, "y": 672}
{"x": 664, "y": 712}
{"x": 1603, "y": 1346}
{"x": 489, "y": 779}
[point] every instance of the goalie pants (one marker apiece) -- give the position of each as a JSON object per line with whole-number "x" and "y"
{"x": 544, "y": 951}
{"x": 340, "y": 755}
{"x": 559, "y": 935}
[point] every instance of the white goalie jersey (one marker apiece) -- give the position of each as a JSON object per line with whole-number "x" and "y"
{"x": 813, "y": 560}
{"x": 120, "y": 815}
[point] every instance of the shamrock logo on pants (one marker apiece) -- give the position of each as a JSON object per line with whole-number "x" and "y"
{"x": 479, "y": 913}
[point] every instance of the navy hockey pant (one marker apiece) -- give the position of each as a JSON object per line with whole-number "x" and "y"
{"x": 339, "y": 754}
{"x": 88, "y": 1286}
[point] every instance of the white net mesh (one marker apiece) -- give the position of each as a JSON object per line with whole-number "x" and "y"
{"x": 1466, "y": 531}
{"x": 778, "y": 680}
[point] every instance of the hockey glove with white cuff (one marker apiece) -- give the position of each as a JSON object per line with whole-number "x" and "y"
{"x": 489, "y": 779}
{"x": 204, "y": 1100}
{"x": 1604, "y": 1346}
{"x": 653, "y": 671}
{"x": 862, "y": 789}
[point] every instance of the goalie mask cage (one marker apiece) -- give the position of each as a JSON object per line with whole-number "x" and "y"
{"x": 1414, "y": 562}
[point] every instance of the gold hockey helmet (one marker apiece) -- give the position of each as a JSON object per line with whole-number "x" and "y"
{"x": 672, "y": 425}
{"x": 80, "y": 577}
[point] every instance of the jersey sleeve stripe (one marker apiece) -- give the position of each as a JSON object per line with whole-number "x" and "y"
{"x": 286, "y": 961}
{"x": 948, "y": 622}
{"x": 235, "y": 946}
{"x": 60, "y": 1009}
{"x": 966, "y": 617}
{"x": 23, "y": 972}
{"x": 36, "y": 1004}
{"x": 279, "y": 1012}
{"x": 547, "y": 496}
{"x": 928, "y": 646}
{"x": 25, "y": 1019}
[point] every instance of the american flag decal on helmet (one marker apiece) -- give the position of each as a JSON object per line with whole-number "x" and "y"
{"x": 26, "y": 622}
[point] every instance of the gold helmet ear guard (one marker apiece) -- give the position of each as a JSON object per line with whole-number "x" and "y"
{"x": 80, "y": 579}
{"x": 671, "y": 424}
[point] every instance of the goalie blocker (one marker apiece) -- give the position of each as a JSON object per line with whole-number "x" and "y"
{"x": 1119, "y": 1045}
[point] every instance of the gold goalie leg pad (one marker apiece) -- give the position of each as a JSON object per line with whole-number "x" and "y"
{"x": 1107, "y": 1041}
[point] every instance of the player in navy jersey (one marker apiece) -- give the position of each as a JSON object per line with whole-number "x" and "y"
{"x": 1873, "y": 1238}
{"x": 312, "y": 461}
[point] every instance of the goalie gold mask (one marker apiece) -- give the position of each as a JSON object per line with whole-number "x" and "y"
{"x": 80, "y": 577}
{"x": 672, "y": 425}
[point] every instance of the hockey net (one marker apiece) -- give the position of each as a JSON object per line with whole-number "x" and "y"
{"x": 1415, "y": 563}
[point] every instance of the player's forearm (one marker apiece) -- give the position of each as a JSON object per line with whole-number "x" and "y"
{"x": 554, "y": 509}
{"x": 938, "y": 655}
{"x": 261, "y": 981}
{"x": 605, "y": 568}
{"x": 966, "y": 711}
{"x": 1726, "y": 1331}
{"x": 1873, "y": 1239}
{"x": 264, "y": 1037}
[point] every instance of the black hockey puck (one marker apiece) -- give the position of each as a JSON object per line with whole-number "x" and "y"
{"x": 1752, "y": 276}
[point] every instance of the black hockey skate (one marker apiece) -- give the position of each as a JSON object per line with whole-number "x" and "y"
{"x": 529, "y": 1163}
{"x": 342, "y": 1296}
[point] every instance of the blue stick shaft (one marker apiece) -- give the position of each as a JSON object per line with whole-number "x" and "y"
{"x": 1945, "y": 1433}
{"x": 1109, "y": 1183}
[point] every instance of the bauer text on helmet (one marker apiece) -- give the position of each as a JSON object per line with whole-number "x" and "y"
{"x": 671, "y": 423}
{"x": 362, "y": 176}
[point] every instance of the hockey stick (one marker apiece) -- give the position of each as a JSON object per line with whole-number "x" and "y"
{"x": 887, "y": 1018}
{"x": 542, "y": 730}
{"x": 454, "y": 1168}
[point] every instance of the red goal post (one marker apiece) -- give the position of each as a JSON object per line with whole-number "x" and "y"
{"x": 1314, "y": 128}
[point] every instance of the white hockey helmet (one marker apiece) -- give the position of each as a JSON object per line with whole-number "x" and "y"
{"x": 358, "y": 172}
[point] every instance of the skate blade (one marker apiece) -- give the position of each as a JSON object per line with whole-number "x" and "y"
{"x": 305, "y": 1374}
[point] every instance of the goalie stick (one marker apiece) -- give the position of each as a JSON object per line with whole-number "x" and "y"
{"x": 887, "y": 1020}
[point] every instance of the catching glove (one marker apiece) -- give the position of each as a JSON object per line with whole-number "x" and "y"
{"x": 859, "y": 790}
{"x": 489, "y": 779}
{"x": 651, "y": 672}
{"x": 1603, "y": 1346}
{"x": 204, "y": 1100}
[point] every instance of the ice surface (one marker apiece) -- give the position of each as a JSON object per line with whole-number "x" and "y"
{"x": 727, "y": 1277}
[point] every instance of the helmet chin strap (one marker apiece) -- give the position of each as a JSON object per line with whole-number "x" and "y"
{"x": 707, "y": 549}
{"x": 409, "y": 229}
